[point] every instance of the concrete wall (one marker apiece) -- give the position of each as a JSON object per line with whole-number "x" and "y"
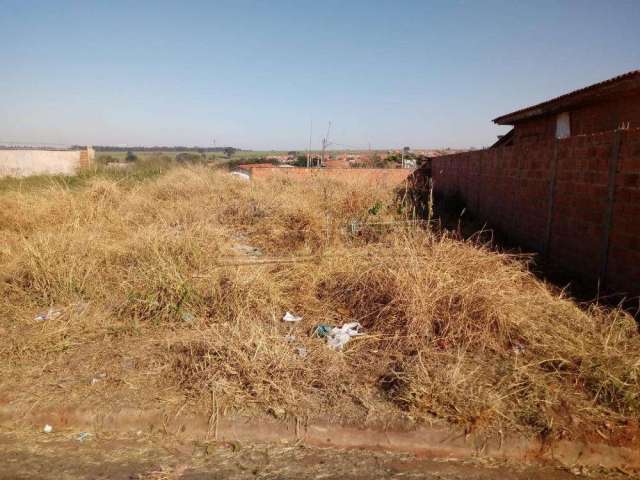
{"x": 577, "y": 200}
{"x": 22, "y": 163}
{"x": 380, "y": 176}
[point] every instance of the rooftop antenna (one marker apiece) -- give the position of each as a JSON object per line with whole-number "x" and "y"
{"x": 325, "y": 144}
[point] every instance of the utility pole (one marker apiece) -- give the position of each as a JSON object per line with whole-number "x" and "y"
{"x": 404, "y": 150}
{"x": 309, "y": 149}
{"x": 325, "y": 144}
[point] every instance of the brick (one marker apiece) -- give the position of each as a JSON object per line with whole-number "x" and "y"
{"x": 510, "y": 186}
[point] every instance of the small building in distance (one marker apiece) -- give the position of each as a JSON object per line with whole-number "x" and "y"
{"x": 601, "y": 107}
{"x": 340, "y": 162}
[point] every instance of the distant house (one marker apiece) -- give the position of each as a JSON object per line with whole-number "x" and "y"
{"x": 604, "y": 106}
{"x": 340, "y": 162}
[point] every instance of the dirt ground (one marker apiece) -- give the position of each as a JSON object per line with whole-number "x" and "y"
{"x": 61, "y": 456}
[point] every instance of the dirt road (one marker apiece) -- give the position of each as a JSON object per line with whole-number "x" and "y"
{"x": 34, "y": 455}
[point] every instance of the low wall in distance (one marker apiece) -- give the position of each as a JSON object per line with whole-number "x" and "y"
{"x": 379, "y": 176}
{"x": 22, "y": 163}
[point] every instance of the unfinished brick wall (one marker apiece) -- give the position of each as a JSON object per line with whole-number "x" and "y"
{"x": 577, "y": 200}
{"x": 385, "y": 176}
{"x": 604, "y": 116}
{"x": 86, "y": 157}
{"x": 588, "y": 119}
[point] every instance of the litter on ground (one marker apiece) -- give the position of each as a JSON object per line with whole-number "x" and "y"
{"x": 290, "y": 317}
{"x": 241, "y": 175}
{"x": 82, "y": 436}
{"x": 322, "y": 330}
{"x": 47, "y": 428}
{"x": 339, "y": 336}
{"x": 98, "y": 378}
{"x": 50, "y": 314}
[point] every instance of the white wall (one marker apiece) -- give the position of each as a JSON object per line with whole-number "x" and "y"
{"x": 21, "y": 163}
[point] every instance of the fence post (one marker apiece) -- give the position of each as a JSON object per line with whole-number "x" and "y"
{"x": 611, "y": 193}
{"x": 552, "y": 193}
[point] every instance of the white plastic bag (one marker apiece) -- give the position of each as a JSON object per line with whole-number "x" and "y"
{"x": 290, "y": 317}
{"x": 339, "y": 336}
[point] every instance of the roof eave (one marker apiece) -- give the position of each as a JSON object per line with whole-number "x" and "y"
{"x": 510, "y": 119}
{"x": 593, "y": 93}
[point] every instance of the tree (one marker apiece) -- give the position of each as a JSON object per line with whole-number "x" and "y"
{"x": 229, "y": 151}
{"x": 301, "y": 161}
{"x": 131, "y": 157}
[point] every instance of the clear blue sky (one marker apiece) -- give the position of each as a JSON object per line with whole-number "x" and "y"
{"x": 254, "y": 73}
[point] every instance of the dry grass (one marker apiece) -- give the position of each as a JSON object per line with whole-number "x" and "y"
{"x": 455, "y": 331}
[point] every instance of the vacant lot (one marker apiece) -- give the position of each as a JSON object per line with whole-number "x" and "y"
{"x": 165, "y": 285}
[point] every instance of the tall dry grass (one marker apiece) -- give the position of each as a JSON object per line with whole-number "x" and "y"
{"x": 151, "y": 270}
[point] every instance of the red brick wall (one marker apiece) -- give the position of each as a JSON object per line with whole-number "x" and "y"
{"x": 511, "y": 188}
{"x": 588, "y": 119}
{"x": 624, "y": 253}
{"x": 606, "y": 116}
{"x": 337, "y": 163}
{"x": 536, "y": 129}
{"x": 384, "y": 176}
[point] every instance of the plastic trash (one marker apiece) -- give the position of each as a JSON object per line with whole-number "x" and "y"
{"x": 290, "y": 317}
{"x": 82, "y": 436}
{"x": 47, "y": 428}
{"x": 50, "y": 314}
{"x": 188, "y": 317}
{"x": 339, "y": 336}
{"x": 98, "y": 378}
{"x": 241, "y": 175}
{"x": 322, "y": 330}
{"x": 354, "y": 226}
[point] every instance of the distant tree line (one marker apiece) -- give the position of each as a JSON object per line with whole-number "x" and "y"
{"x": 231, "y": 164}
